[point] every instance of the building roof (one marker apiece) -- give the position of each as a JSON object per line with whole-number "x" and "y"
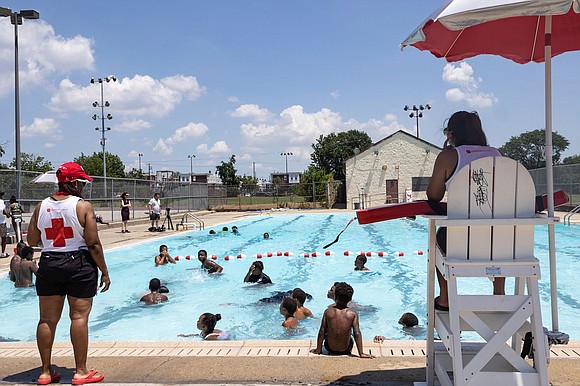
{"x": 407, "y": 136}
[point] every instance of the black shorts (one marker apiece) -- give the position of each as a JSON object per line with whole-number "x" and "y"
{"x": 67, "y": 273}
{"x": 154, "y": 216}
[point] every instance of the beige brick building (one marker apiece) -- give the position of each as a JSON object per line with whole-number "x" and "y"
{"x": 397, "y": 166}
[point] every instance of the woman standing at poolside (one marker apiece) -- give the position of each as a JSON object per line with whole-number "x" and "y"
{"x": 465, "y": 142}
{"x": 125, "y": 205}
{"x": 71, "y": 256}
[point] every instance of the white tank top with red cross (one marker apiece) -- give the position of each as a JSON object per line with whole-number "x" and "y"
{"x": 468, "y": 153}
{"x": 60, "y": 229}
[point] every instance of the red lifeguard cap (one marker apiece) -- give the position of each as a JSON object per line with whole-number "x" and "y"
{"x": 71, "y": 171}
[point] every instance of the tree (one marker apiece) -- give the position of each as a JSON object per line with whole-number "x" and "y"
{"x": 314, "y": 179}
{"x": 136, "y": 174}
{"x": 248, "y": 182}
{"x": 32, "y": 163}
{"x": 331, "y": 151}
{"x": 93, "y": 164}
{"x": 2, "y": 152}
{"x": 227, "y": 171}
{"x": 528, "y": 148}
{"x": 572, "y": 160}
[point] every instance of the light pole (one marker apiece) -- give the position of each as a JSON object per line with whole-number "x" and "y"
{"x": 140, "y": 170}
{"x": 102, "y": 117}
{"x": 16, "y": 20}
{"x": 417, "y": 112}
{"x": 286, "y": 154}
{"x": 191, "y": 157}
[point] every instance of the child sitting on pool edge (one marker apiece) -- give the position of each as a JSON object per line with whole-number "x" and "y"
{"x": 339, "y": 325}
{"x": 206, "y": 324}
{"x": 287, "y": 310}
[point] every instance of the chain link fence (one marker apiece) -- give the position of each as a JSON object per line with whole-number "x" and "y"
{"x": 180, "y": 197}
{"x": 566, "y": 177}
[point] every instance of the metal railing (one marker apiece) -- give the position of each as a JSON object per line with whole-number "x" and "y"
{"x": 568, "y": 215}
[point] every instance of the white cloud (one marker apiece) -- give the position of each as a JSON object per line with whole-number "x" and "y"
{"x": 41, "y": 127}
{"x": 218, "y": 147}
{"x": 133, "y": 125}
{"x": 42, "y": 53}
{"x": 140, "y": 96}
{"x": 191, "y": 130}
{"x": 246, "y": 157}
{"x": 467, "y": 87}
{"x": 335, "y": 94}
{"x": 250, "y": 130}
{"x": 253, "y": 112}
{"x": 233, "y": 99}
{"x": 49, "y": 145}
{"x": 187, "y": 85}
{"x": 162, "y": 148}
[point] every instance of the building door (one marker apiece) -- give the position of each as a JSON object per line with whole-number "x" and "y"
{"x": 392, "y": 196}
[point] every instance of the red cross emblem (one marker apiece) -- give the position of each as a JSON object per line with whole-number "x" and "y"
{"x": 58, "y": 233}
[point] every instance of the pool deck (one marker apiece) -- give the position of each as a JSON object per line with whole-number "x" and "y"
{"x": 397, "y": 363}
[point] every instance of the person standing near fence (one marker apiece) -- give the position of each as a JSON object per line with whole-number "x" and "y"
{"x": 154, "y": 207}
{"x": 71, "y": 257}
{"x": 125, "y": 205}
{"x": 3, "y": 229}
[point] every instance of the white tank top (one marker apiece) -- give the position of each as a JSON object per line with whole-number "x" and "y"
{"x": 60, "y": 229}
{"x": 468, "y": 153}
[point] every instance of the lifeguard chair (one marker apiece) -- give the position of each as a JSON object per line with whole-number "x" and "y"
{"x": 490, "y": 233}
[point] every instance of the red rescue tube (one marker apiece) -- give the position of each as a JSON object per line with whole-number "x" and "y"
{"x": 417, "y": 208}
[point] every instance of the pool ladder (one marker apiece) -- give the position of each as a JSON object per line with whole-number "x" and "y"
{"x": 190, "y": 220}
{"x": 570, "y": 214}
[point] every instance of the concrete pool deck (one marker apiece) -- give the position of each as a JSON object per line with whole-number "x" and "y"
{"x": 397, "y": 363}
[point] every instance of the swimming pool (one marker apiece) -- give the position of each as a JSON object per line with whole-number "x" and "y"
{"x": 395, "y": 284}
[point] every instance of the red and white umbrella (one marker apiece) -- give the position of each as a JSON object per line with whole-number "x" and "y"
{"x": 522, "y": 31}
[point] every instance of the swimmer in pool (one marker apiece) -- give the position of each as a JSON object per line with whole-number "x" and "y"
{"x": 301, "y": 312}
{"x": 287, "y": 309}
{"x": 206, "y": 324}
{"x": 235, "y": 230}
{"x": 256, "y": 275}
{"x": 208, "y": 265}
{"x": 408, "y": 320}
{"x": 163, "y": 257}
{"x": 154, "y": 297}
{"x": 359, "y": 263}
{"x": 266, "y": 235}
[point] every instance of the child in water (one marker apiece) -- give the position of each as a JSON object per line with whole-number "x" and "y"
{"x": 359, "y": 263}
{"x": 287, "y": 310}
{"x": 206, "y": 324}
{"x": 300, "y": 297}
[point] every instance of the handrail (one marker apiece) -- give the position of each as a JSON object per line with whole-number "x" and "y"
{"x": 196, "y": 220}
{"x": 571, "y": 213}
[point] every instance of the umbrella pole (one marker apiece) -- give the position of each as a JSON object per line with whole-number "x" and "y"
{"x": 549, "y": 171}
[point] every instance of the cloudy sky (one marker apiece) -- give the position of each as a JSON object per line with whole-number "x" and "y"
{"x": 251, "y": 78}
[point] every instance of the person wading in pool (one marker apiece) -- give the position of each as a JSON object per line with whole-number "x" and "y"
{"x": 71, "y": 257}
{"x": 154, "y": 297}
{"x": 163, "y": 257}
{"x": 209, "y": 265}
{"x": 256, "y": 275}
{"x": 465, "y": 142}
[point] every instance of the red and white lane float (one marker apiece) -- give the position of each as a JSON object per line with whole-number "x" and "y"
{"x": 417, "y": 252}
{"x": 214, "y": 257}
{"x": 398, "y": 253}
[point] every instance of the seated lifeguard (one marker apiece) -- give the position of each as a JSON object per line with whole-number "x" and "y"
{"x": 465, "y": 142}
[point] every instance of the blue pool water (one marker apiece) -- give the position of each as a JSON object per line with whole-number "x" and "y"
{"x": 395, "y": 284}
